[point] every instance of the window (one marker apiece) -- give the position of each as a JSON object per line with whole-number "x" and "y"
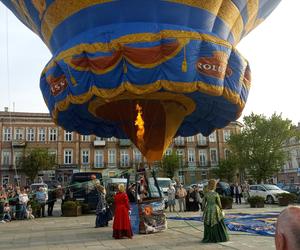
{"x": 168, "y": 151}
{"x": 99, "y": 159}
{"x": 190, "y": 139}
{"x": 201, "y": 139}
{"x": 68, "y": 136}
{"x": 52, "y": 134}
{"x": 203, "y": 157}
{"x": 85, "y": 156}
{"x": 18, "y": 157}
{"x": 85, "y": 138}
{"x": 5, "y": 180}
{"x": 5, "y": 158}
{"x": 137, "y": 156}
{"x": 19, "y": 134}
{"x": 30, "y": 134}
{"x": 7, "y": 134}
{"x": 213, "y": 157}
{"x": 213, "y": 137}
{"x": 191, "y": 155}
{"x": 53, "y": 152}
{"x": 180, "y": 153}
{"x": 112, "y": 139}
{"x": 112, "y": 156}
{"x": 124, "y": 158}
{"x": 68, "y": 156}
{"x": 226, "y": 153}
{"x": 226, "y": 135}
{"x": 179, "y": 140}
{"x": 99, "y": 138}
{"x": 42, "y": 134}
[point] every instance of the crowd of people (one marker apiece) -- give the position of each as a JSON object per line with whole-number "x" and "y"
{"x": 19, "y": 203}
{"x": 15, "y": 204}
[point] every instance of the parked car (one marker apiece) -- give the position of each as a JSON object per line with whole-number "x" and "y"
{"x": 79, "y": 189}
{"x": 292, "y": 188}
{"x": 112, "y": 184}
{"x": 223, "y": 188}
{"x": 35, "y": 186}
{"x": 269, "y": 192}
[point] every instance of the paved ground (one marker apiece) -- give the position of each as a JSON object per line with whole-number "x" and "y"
{"x": 59, "y": 233}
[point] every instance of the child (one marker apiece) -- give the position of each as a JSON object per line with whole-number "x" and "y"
{"x": 6, "y": 213}
{"x": 29, "y": 214}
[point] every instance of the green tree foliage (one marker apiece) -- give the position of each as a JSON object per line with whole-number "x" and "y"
{"x": 258, "y": 149}
{"x": 170, "y": 164}
{"x": 36, "y": 160}
{"x": 226, "y": 170}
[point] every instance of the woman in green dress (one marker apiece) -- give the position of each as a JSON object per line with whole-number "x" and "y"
{"x": 214, "y": 226}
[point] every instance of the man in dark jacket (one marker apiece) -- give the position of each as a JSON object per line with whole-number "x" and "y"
{"x": 51, "y": 200}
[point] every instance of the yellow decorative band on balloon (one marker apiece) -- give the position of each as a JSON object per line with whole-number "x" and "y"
{"x": 224, "y": 9}
{"x": 22, "y": 10}
{"x": 146, "y": 58}
{"x": 175, "y": 87}
{"x": 252, "y": 10}
{"x": 116, "y": 45}
{"x": 60, "y": 10}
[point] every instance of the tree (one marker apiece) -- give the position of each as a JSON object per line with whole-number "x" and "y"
{"x": 36, "y": 160}
{"x": 259, "y": 147}
{"x": 170, "y": 164}
{"x": 226, "y": 170}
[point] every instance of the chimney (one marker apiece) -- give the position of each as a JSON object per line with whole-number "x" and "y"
{"x": 5, "y": 109}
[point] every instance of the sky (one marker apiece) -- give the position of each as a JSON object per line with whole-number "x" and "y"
{"x": 272, "y": 50}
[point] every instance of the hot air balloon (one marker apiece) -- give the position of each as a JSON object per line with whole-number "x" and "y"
{"x": 147, "y": 70}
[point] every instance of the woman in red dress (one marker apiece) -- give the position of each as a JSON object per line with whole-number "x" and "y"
{"x": 121, "y": 225}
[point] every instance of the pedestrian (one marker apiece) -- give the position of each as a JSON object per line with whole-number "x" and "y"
{"x": 237, "y": 193}
{"x": 214, "y": 226}
{"x": 3, "y": 197}
{"x": 198, "y": 197}
{"x": 51, "y": 200}
{"x": 171, "y": 197}
{"x": 23, "y": 200}
{"x": 101, "y": 218}
{"x": 131, "y": 193}
{"x": 42, "y": 198}
{"x": 121, "y": 224}
{"x": 6, "y": 213}
{"x": 288, "y": 229}
{"x": 181, "y": 194}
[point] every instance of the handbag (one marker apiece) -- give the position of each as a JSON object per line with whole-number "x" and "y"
{"x": 108, "y": 213}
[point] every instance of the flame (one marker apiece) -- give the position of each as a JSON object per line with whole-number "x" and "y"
{"x": 139, "y": 122}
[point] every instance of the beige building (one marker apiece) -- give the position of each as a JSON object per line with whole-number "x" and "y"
{"x": 110, "y": 156}
{"x": 290, "y": 172}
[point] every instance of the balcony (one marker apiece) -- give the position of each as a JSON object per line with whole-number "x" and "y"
{"x": 18, "y": 143}
{"x": 99, "y": 143}
{"x": 202, "y": 143}
{"x": 179, "y": 143}
{"x": 124, "y": 143}
{"x": 6, "y": 167}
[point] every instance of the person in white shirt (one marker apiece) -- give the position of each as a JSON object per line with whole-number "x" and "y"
{"x": 171, "y": 197}
{"x": 23, "y": 200}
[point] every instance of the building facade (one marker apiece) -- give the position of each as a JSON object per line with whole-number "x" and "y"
{"x": 110, "y": 156}
{"x": 290, "y": 172}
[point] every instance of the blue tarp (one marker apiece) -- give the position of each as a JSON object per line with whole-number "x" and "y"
{"x": 262, "y": 223}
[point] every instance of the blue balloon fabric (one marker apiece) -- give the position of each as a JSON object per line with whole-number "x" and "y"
{"x": 171, "y": 50}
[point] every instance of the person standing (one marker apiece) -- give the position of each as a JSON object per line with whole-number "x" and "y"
{"x": 171, "y": 197}
{"x": 181, "y": 194}
{"x": 237, "y": 193}
{"x": 101, "y": 219}
{"x": 121, "y": 224}
{"x": 214, "y": 226}
{"x": 23, "y": 200}
{"x": 51, "y": 201}
{"x": 42, "y": 198}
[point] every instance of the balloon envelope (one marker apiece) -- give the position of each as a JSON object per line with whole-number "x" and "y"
{"x": 174, "y": 58}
